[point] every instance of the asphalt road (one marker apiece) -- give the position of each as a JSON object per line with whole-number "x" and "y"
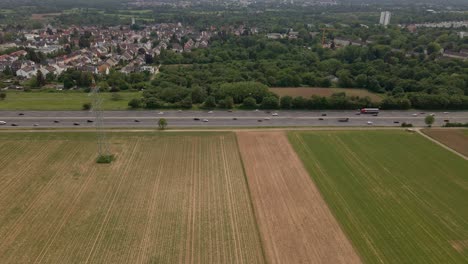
{"x": 222, "y": 118}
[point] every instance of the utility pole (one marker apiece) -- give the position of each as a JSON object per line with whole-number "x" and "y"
{"x": 104, "y": 155}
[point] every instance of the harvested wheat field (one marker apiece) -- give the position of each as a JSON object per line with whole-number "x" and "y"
{"x": 168, "y": 198}
{"x": 295, "y": 223}
{"x": 456, "y": 139}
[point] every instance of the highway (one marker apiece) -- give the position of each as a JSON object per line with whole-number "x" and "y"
{"x": 223, "y": 118}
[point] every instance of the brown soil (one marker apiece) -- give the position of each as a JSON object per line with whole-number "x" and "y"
{"x": 326, "y": 92}
{"x": 295, "y": 223}
{"x": 456, "y": 139}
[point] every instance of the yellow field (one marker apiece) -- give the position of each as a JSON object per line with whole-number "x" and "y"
{"x": 168, "y": 198}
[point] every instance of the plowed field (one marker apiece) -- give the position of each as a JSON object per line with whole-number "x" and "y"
{"x": 295, "y": 223}
{"x": 168, "y": 198}
{"x": 457, "y": 139}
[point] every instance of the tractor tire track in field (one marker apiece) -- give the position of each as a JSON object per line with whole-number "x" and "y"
{"x": 295, "y": 223}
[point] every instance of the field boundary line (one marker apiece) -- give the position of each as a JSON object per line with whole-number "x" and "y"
{"x": 441, "y": 144}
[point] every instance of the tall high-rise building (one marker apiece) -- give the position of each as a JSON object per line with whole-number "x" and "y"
{"x": 385, "y": 18}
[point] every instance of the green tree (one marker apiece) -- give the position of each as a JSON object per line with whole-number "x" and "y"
{"x": 228, "y": 102}
{"x": 429, "y": 120}
{"x": 433, "y": 47}
{"x": 270, "y": 102}
{"x": 210, "y": 102}
{"x": 3, "y": 96}
{"x": 286, "y": 102}
{"x": 162, "y": 123}
{"x": 249, "y": 102}
{"x": 40, "y": 80}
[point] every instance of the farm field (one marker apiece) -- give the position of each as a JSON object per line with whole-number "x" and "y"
{"x": 457, "y": 139}
{"x": 168, "y": 198}
{"x": 399, "y": 197}
{"x": 61, "y": 101}
{"x": 295, "y": 223}
{"x": 309, "y": 91}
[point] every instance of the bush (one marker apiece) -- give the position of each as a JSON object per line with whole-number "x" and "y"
{"x": 103, "y": 159}
{"x": 135, "y": 103}
{"x": 404, "y": 124}
{"x": 2, "y": 96}
{"x": 86, "y": 106}
{"x": 456, "y": 125}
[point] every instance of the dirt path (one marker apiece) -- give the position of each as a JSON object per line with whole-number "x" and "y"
{"x": 295, "y": 223}
{"x": 441, "y": 144}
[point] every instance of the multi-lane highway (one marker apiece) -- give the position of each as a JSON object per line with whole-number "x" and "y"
{"x": 223, "y": 118}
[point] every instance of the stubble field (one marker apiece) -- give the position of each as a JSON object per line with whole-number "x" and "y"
{"x": 296, "y": 224}
{"x": 399, "y": 197}
{"x": 172, "y": 198}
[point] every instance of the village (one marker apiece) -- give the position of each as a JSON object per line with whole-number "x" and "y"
{"x": 98, "y": 50}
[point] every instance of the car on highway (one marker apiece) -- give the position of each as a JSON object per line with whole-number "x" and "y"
{"x": 256, "y": 110}
{"x": 446, "y": 112}
{"x": 56, "y": 121}
{"x": 36, "y": 124}
{"x": 14, "y": 124}
{"x": 161, "y": 113}
{"x": 196, "y": 119}
{"x": 346, "y": 119}
{"x": 275, "y": 114}
{"x": 446, "y": 120}
{"x": 415, "y": 114}
{"x": 21, "y": 114}
{"x": 321, "y": 119}
{"x": 324, "y": 114}
{"x": 260, "y": 120}
{"x": 89, "y": 121}
{"x": 369, "y": 122}
{"x": 235, "y": 118}
{"x": 210, "y": 112}
{"x": 396, "y": 122}
{"x": 267, "y": 118}
{"x": 76, "y": 124}
{"x": 2, "y": 123}
{"x": 205, "y": 120}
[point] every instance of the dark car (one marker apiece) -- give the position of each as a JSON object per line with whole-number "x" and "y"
{"x": 396, "y": 122}
{"x": 324, "y": 114}
{"x": 21, "y": 114}
{"x": 196, "y": 119}
{"x": 321, "y": 119}
{"x": 260, "y": 120}
{"x": 56, "y": 121}
{"x": 76, "y": 124}
{"x": 136, "y": 120}
{"x": 89, "y": 121}
{"x": 446, "y": 120}
{"x": 14, "y": 124}
{"x": 235, "y": 118}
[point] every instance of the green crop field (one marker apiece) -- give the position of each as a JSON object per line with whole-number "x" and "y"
{"x": 61, "y": 101}
{"x": 167, "y": 198}
{"x": 399, "y": 197}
